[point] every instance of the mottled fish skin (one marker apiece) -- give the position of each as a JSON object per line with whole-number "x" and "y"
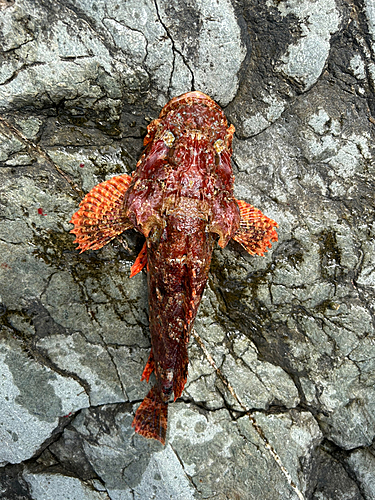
{"x": 180, "y": 196}
{"x": 181, "y": 199}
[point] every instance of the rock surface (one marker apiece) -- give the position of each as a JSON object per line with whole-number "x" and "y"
{"x": 292, "y": 333}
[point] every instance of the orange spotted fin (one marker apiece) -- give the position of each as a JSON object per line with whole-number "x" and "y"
{"x": 139, "y": 262}
{"x": 100, "y": 217}
{"x": 256, "y": 231}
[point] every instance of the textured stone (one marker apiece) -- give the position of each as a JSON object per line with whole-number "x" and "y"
{"x": 45, "y": 486}
{"x": 75, "y": 355}
{"x": 318, "y": 20}
{"x": 362, "y": 464}
{"x": 208, "y": 38}
{"x": 293, "y": 435}
{"x": 60, "y": 62}
{"x": 185, "y": 468}
{"x": 258, "y": 384}
{"x": 33, "y": 397}
{"x": 328, "y": 480}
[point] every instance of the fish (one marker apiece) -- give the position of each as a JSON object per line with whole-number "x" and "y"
{"x": 180, "y": 197}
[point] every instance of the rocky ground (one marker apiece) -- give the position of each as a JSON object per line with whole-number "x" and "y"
{"x": 292, "y": 333}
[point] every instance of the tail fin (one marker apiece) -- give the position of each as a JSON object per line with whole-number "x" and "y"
{"x": 151, "y": 417}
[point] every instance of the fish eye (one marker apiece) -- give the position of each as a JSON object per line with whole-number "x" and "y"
{"x": 219, "y": 146}
{"x": 168, "y": 138}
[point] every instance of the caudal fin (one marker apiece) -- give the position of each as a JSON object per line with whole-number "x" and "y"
{"x": 151, "y": 417}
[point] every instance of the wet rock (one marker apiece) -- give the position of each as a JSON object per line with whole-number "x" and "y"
{"x": 207, "y": 37}
{"x": 13, "y": 486}
{"x": 304, "y": 60}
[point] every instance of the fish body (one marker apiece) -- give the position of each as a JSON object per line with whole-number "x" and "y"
{"x": 181, "y": 199}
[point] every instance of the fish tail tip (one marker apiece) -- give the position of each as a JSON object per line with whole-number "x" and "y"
{"x": 151, "y": 417}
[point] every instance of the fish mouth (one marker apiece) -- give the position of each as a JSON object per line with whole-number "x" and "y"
{"x": 189, "y": 98}
{"x": 196, "y": 94}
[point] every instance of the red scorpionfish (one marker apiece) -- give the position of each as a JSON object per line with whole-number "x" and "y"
{"x": 181, "y": 199}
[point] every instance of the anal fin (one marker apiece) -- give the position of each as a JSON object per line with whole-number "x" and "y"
{"x": 256, "y": 231}
{"x": 139, "y": 262}
{"x": 100, "y": 217}
{"x": 149, "y": 368}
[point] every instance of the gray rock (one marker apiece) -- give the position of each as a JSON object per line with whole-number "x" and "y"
{"x": 294, "y": 436}
{"x": 362, "y": 464}
{"x": 75, "y": 355}
{"x": 205, "y": 455}
{"x": 328, "y": 480}
{"x": 45, "y": 486}
{"x": 258, "y": 384}
{"x": 9, "y": 146}
{"x": 208, "y": 38}
{"x": 59, "y": 62}
{"x": 305, "y": 59}
{"x": 33, "y": 397}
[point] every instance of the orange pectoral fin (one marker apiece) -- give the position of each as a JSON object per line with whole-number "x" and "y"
{"x": 100, "y": 217}
{"x": 139, "y": 262}
{"x": 256, "y": 231}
